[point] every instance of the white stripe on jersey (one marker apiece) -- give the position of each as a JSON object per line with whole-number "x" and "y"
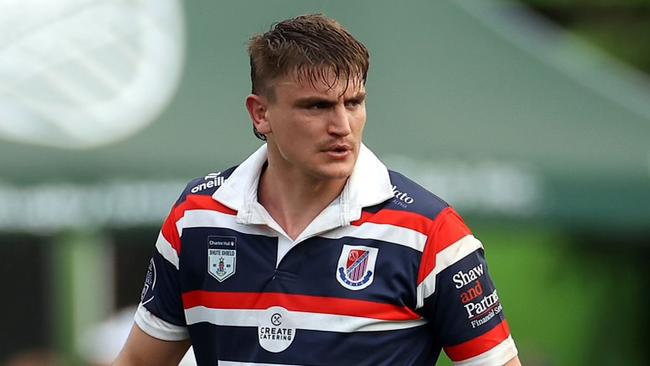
{"x": 158, "y": 328}
{"x": 444, "y": 259}
{"x": 498, "y": 355}
{"x": 211, "y": 218}
{"x": 299, "y": 320}
{"x": 235, "y": 363}
{"x": 385, "y": 232}
{"x": 166, "y": 250}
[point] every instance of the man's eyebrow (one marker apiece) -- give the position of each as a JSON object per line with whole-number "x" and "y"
{"x": 360, "y": 96}
{"x": 311, "y": 100}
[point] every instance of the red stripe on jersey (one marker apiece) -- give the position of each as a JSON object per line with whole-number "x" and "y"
{"x": 200, "y": 202}
{"x": 405, "y": 219}
{"x": 192, "y": 202}
{"x": 449, "y": 228}
{"x": 452, "y": 228}
{"x": 170, "y": 233}
{"x": 479, "y": 345}
{"x": 303, "y": 303}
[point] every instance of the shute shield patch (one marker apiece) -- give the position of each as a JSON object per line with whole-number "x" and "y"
{"x": 222, "y": 256}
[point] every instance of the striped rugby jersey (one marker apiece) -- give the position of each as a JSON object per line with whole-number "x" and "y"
{"x": 387, "y": 274}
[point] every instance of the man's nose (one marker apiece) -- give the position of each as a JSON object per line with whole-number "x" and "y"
{"x": 340, "y": 121}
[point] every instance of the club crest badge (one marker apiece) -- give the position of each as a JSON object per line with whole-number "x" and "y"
{"x": 222, "y": 256}
{"x": 356, "y": 266}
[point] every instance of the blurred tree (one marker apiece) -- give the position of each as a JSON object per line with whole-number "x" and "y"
{"x": 619, "y": 27}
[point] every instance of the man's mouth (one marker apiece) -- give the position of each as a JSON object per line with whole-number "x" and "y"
{"x": 338, "y": 150}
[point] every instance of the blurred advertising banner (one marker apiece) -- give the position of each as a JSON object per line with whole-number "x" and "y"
{"x": 499, "y": 113}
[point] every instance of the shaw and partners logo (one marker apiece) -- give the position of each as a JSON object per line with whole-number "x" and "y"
{"x": 461, "y": 279}
{"x": 480, "y": 311}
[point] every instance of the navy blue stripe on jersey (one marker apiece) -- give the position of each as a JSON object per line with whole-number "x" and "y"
{"x": 162, "y": 295}
{"x": 410, "y": 196}
{"x": 309, "y": 268}
{"x": 255, "y": 261}
{"x": 413, "y": 346}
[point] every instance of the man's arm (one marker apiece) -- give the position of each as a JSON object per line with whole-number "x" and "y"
{"x": 513, "y": 362}
{"x": 143, "y": 349}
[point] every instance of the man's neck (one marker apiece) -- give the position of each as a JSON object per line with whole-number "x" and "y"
{"x": 294, "y": 201}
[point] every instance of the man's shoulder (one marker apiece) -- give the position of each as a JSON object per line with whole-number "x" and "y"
{"x": 409, "y": 196}
{"x": 205, "y": 185}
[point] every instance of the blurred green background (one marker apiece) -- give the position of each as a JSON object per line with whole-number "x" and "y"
{"x": 532, "y": 118}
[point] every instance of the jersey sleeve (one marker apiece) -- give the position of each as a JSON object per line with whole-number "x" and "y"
{"x": 457, "y": 296}
{"x": 160, "y": 313}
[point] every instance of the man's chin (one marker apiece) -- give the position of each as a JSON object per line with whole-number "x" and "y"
{"x": 333, "y": 172}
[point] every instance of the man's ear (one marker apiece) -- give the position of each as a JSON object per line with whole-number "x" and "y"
{"x": 257, "y": 107}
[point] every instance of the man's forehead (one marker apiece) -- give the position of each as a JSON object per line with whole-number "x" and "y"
{"x": 325, "y": 85}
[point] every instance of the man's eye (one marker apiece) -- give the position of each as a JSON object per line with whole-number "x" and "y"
{"x": 318, "y": 106}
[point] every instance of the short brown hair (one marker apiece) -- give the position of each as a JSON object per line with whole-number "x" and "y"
{"x": 313, "y": 46}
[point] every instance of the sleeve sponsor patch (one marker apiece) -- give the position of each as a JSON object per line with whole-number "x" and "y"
{"x": 149, "y": 283}
{"x": 466, "y": 303}
{"x": 479, "y": 305}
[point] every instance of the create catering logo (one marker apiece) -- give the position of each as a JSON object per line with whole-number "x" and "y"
{"x": 222, "y": 256}
{"x": 356, "y": 266}
{"x": 276, "y": 329}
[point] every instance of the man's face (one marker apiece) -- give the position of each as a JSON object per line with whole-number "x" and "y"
{"x": 315, "y": 130}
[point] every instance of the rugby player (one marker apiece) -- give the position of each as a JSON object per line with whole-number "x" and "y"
{"x": 312, "y": 252}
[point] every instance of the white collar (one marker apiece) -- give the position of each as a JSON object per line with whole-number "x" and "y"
{"x": 368, "y": 185}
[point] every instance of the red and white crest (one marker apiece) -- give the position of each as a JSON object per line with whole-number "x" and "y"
{"x": 356, "y": 266}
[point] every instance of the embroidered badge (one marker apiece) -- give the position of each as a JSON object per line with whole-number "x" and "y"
{"x": 356, "y": 266}
{"x": 222, "y": 256}
{"x": 149, "y": 283}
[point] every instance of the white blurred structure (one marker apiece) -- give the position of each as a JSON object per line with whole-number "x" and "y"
{"x": 102, "y": 343}
{"x": 82, "y": 73}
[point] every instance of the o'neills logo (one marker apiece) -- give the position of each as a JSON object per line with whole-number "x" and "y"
{"x": 402, "y": 196}
{"x": 210, "y": 181}
{"x": 275, "y": 330}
